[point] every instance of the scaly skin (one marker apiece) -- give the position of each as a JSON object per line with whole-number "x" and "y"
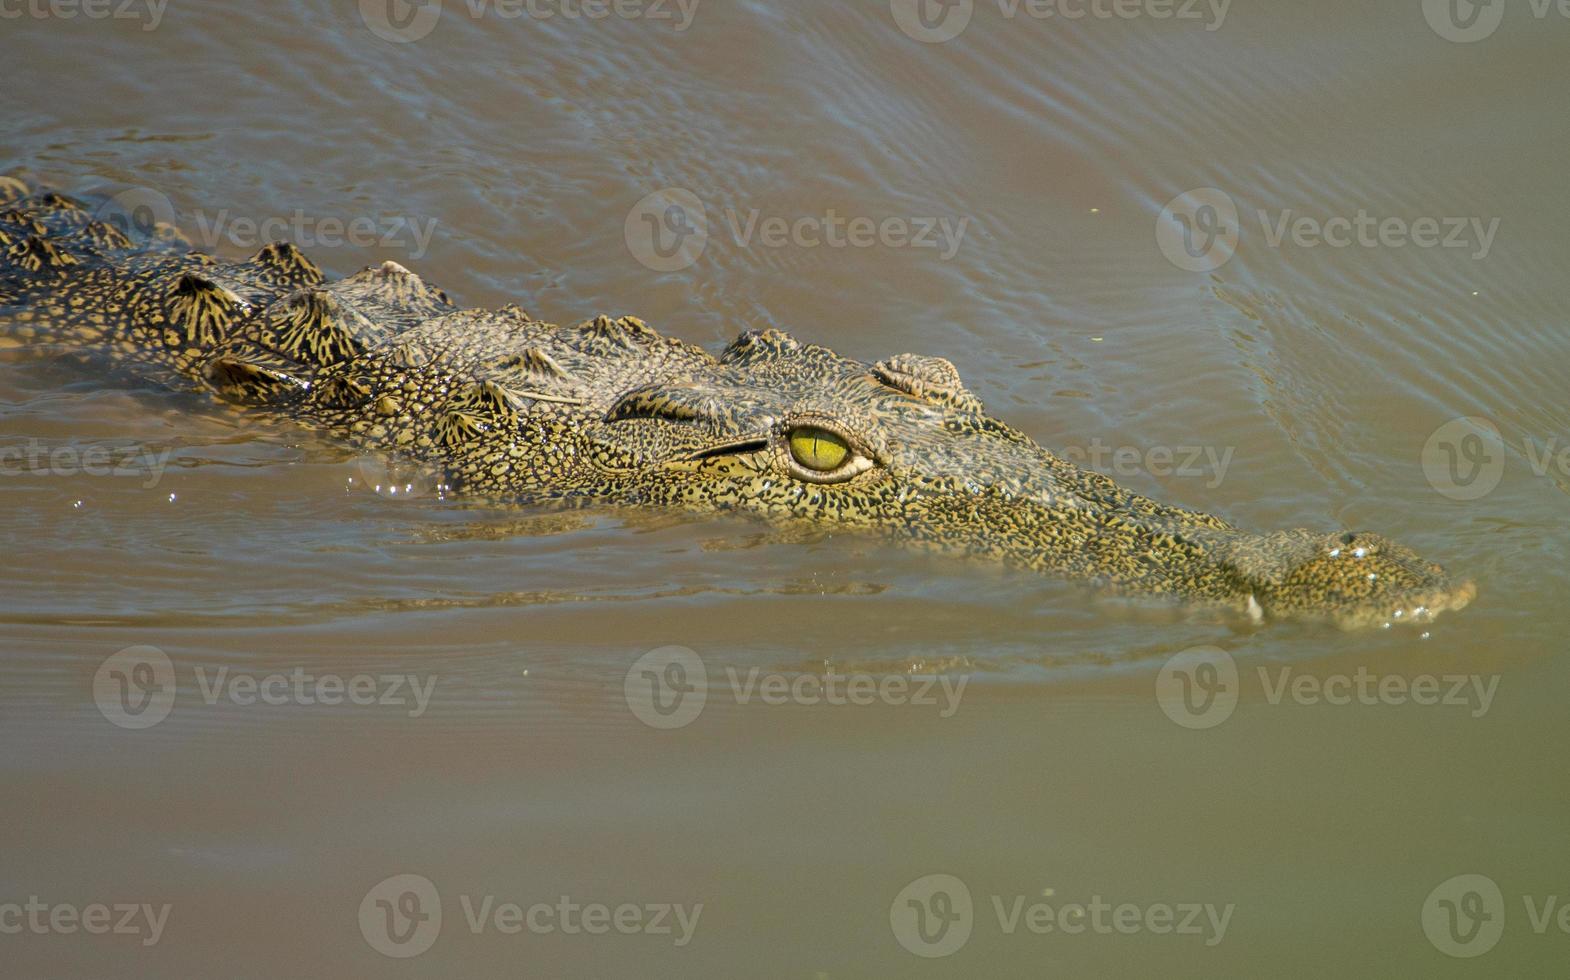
{"x": 510, "y": 408}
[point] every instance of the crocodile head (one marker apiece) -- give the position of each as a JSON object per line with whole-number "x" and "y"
{"x": 1354, "y": 578}
{"x": 794, "y": 432}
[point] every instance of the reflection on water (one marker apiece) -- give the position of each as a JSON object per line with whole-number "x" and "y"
{"x": 1299, "y": 239}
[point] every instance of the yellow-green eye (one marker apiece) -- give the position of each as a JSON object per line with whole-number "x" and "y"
{"x": 818, "y": 450}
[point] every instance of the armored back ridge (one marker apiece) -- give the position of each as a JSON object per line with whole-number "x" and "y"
{"x": 511, "y": 408}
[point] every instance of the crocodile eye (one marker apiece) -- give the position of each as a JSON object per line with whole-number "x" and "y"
{"x": 816, "y": 453}
{"x": 817, "y": 449}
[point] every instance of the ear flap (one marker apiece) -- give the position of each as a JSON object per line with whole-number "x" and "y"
{"x": 932, "y": 379}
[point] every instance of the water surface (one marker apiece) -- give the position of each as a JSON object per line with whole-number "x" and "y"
{"x": 1295, "y": 384}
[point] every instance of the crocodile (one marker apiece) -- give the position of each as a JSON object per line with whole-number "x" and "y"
{"x": 609, "y": 411}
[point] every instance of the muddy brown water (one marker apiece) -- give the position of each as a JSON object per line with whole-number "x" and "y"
{"x": 1046, "y": 201}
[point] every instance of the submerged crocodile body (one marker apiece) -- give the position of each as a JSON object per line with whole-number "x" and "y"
{"x": 508, "y": 407}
